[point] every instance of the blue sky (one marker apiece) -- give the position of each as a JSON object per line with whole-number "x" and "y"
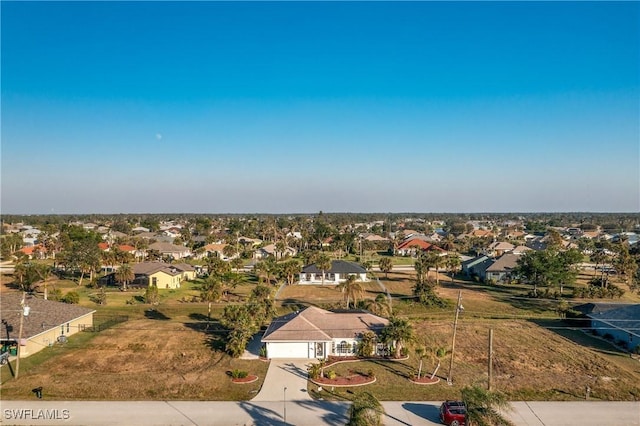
{"x": 297, "y": 107}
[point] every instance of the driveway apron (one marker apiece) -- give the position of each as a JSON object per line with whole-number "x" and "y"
{"x": 289, "y": 374}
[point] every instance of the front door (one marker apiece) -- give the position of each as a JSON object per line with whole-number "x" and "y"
{"x": 319, "y": 350}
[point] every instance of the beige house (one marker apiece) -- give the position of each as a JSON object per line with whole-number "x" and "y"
{"x": 162, "y": 275}
{"x": 46, "y": 324}
{"x": 315, "y": 333}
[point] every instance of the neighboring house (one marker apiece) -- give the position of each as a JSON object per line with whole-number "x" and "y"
{"x": 316, "y": 334}
{"x": 339, "y": 272}
{"x": 216, "y": 250}
{"x": 139, "y": 229}
{"x": 620, "y": 321}
{"x": 374, "y": 238}
{"x": 477, "y": 266}
{"x": 499, "y": 248}
{"x": 412, "y": 246}
{"x": 163, "y": 275}
{"x": 270, "y": 250}
{"x": 501, "y": 270}
{"x": 35, "y": 252}
{"x": 46, "y": 322}
{"x": 168, "y": 249}
{"x": 520, "y": 250}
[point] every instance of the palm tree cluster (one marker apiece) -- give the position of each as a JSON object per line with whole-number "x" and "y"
{"x": 243, "y": 321}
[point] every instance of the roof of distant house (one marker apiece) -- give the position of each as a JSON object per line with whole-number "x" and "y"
{"x": 505, "y": 262}
{"x": 337, "y": 267}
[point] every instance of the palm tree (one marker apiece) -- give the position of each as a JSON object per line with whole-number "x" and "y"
{"x": 452, "y": 262}
{"x": 385, "y": 264}
{"x": 379, "y": 305}
{"x": 366, "y": 410}
{"x": 351, "y": 288}
{"x": 422, "y": 269}
{"x": 323, "y": 263}
{"x": 397, "y": 334}
{"x": 125, "y": 274}
{"x": 434, "y": 259}
{"x": 483, "y": 407}
{"x": 291, "y": 269}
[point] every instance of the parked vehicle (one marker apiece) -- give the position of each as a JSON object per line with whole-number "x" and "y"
{"x": 4, "y": 358}
{"x": 453, "y": 413}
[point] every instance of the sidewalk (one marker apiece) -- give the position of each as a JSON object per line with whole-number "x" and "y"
{"x": 299, "y": 413}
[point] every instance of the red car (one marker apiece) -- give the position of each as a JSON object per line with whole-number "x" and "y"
{"x": 453, "y": 413}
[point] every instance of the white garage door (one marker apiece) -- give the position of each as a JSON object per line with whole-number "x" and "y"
{"x": 288, "y": 350}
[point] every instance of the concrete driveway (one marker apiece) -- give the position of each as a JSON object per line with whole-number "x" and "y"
{"x": 285, "y": 373}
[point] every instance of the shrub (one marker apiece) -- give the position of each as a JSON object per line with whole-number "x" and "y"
{"x": 331, "y": 375}
{"x": 54, "y": 294}
{"x": 239, "y": 374}
{"x": 72, "y": 298}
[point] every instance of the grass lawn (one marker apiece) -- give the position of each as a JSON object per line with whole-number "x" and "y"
{"x": 530, "y": 363}
{"x": 166, "y": 353}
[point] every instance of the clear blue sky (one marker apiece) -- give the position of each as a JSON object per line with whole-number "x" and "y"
{"x": 214, "y": 107}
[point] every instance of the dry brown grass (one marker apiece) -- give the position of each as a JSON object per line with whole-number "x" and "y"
{"x": 140, "y": 360}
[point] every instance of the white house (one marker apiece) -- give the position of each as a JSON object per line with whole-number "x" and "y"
{"x": 315, "y": 333}
{"x": 339, "y": 272}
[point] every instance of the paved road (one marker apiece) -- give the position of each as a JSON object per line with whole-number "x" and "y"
{"x": 301, "y": 413}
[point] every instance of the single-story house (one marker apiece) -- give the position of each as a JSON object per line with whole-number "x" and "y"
{"x": 621, "y": 322}
{"x": 499, "y": 248}
{"x": 44, "y": 325}
{"x": 315, "y": 333}
{"x": 270, "y": 250}
{"x": 500, "y": 271}
{"x": 413, "y": 245}
{"x": 216, "y": 250}
{"x": 339, "y": 272}
{"x": 163, "y": 275}
{"x": 168, "y": 249}
{"x": 477, "y": 266}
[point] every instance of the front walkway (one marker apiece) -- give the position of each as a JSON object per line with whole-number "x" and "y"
{"x": 289, "y": 374}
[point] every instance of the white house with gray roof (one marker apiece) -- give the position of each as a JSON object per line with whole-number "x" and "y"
{"x": 315, "y": 333}
{"x": 340, "y": 270}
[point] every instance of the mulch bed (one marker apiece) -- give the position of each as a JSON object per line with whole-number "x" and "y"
{"x": 346, "y": 381}
{"x": 424, "y": 380}
{"x": 243, "y": 381}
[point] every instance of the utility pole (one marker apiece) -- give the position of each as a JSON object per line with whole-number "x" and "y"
{"x": 453, "y": 343}
{"x": 24, "y": 311}
{"x": 490, "y": 360}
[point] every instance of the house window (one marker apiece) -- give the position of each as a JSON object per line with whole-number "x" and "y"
{"x": 67, "y": 327}
{"x": 154, "y": 281}
{"x": 62, "y": 329}
{"x": 343, "y": 348}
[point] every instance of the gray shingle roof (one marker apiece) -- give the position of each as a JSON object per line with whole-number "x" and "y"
{"x": 337, "y": 267}
{"x": 43, "y": 315}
